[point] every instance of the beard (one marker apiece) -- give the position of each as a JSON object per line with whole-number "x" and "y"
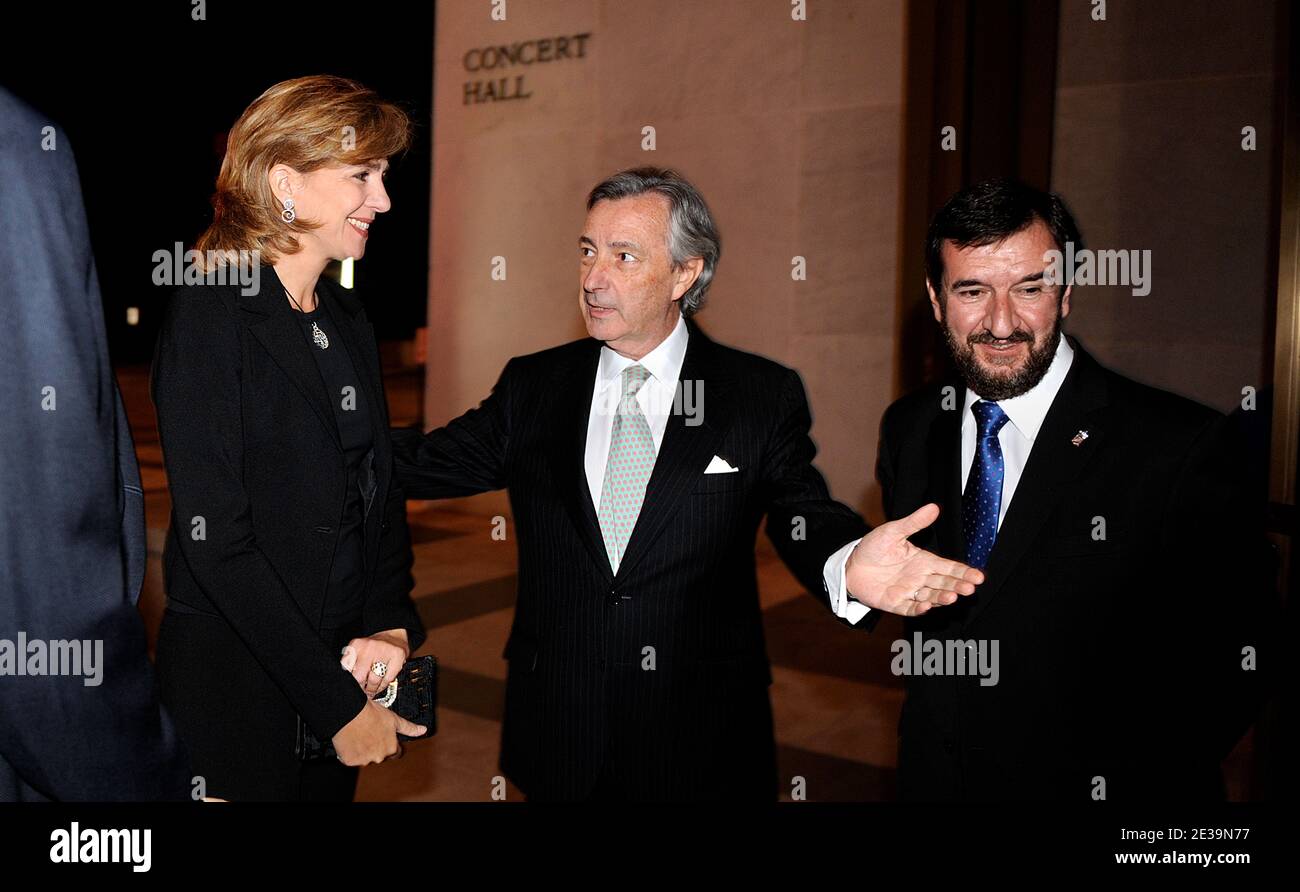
{"x": 990, "y": 385}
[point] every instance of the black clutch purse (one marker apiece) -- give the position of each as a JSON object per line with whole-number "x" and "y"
{"x": 413, "y": 696}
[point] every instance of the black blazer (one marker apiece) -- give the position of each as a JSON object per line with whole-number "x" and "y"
{"x": 1120, "y": 657}
{"x": 251, "y": 446}
{"x": 72, "y": 510}
{"x": 697, "y": 725}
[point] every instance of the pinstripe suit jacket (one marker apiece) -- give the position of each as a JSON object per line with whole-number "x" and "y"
{"x": 658, "y": 674}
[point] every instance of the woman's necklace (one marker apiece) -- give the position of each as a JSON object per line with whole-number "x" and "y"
{"x": 317, "y": 336}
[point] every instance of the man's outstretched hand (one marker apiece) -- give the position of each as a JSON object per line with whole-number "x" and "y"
{"x": 886, "y": 572}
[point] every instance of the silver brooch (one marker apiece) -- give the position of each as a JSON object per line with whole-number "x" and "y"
{"x": 1079, "y": 438}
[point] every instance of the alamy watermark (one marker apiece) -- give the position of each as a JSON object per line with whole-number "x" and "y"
{"x": 226, "y": 267}
{"x": 1130, "y": 268}
{"x": 37, "y": 656}
{"x": 78, "y": 845}
{"x": 686, "y": 399}
{"x": 934, "y": 656}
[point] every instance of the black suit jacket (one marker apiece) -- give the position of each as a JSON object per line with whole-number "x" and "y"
{"x": 1120, "y": 657}
{"x": 697, "y": 725}
{"x": 251, "y": 446}
{"x": 71, "y": 506}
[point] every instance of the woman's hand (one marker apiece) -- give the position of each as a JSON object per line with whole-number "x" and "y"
{"x": 390, "y": 648}
{"x": 371, "y": 737}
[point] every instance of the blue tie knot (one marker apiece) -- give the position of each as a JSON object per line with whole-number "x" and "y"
{"x": 990, "y": 417}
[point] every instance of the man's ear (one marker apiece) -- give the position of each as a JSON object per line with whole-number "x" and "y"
{"x": 687, "y": 273}
{"x": 934, "y": 302}
{"x": 1065, "y": 301}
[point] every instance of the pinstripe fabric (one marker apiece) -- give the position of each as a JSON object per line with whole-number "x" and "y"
{"x": 652, "y": 680}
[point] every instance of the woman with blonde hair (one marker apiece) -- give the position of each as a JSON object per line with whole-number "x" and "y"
{"x": 288, "y": 542}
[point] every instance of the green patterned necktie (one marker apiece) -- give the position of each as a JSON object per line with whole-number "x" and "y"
{"x": 627, "y": 471}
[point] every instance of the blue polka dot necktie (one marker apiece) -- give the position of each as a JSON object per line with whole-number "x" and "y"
{"x": 627, "y": 471}
{"x": 982, "y": 500}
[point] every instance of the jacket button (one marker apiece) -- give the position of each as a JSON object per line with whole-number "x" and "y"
{"x": 612, "y": 598}
{"x": 947, "y": 744}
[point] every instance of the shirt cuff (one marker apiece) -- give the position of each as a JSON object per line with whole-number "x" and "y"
{"x": 842, "y": 603}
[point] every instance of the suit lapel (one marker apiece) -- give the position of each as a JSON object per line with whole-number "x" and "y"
{"x": 686, "y": 449}
{"x": 683, "y": 455}
{"x": 1053, "y": 463}
{"x": 945, "y": 483}
{"x": 574, "y": 389}
{"x": 275, "y": 327}
{"x": 357, "y": 336}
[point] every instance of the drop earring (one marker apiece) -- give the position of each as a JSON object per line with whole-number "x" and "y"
{"x": 288, "y": 215}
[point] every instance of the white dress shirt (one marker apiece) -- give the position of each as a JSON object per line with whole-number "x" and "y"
{"x": 1025, "y": 414}
{"x": 664, "y": 363}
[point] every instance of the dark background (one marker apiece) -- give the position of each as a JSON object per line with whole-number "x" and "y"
{"x": 146, "y": 94}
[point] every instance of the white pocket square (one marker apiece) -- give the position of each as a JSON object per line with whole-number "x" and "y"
{"x": 719, "y": 466}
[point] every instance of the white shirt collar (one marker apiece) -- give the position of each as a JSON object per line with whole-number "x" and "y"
{"x": 1028, "y": 410}
{"x": 664, "y": 362}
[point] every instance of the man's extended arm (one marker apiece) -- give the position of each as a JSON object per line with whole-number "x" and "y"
{"x": 468, "y": 455}
{"x": 810, "y": 531}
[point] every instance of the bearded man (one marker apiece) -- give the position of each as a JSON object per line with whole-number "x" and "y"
{"x": 1121, "y": 579}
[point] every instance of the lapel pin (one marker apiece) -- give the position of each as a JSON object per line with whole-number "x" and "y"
{"x": 1079, "y": 438}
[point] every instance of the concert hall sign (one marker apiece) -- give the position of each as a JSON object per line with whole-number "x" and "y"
{"x": 497, "y": 66}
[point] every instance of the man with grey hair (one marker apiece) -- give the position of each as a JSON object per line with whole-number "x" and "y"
{"x": 640, "y": 462}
